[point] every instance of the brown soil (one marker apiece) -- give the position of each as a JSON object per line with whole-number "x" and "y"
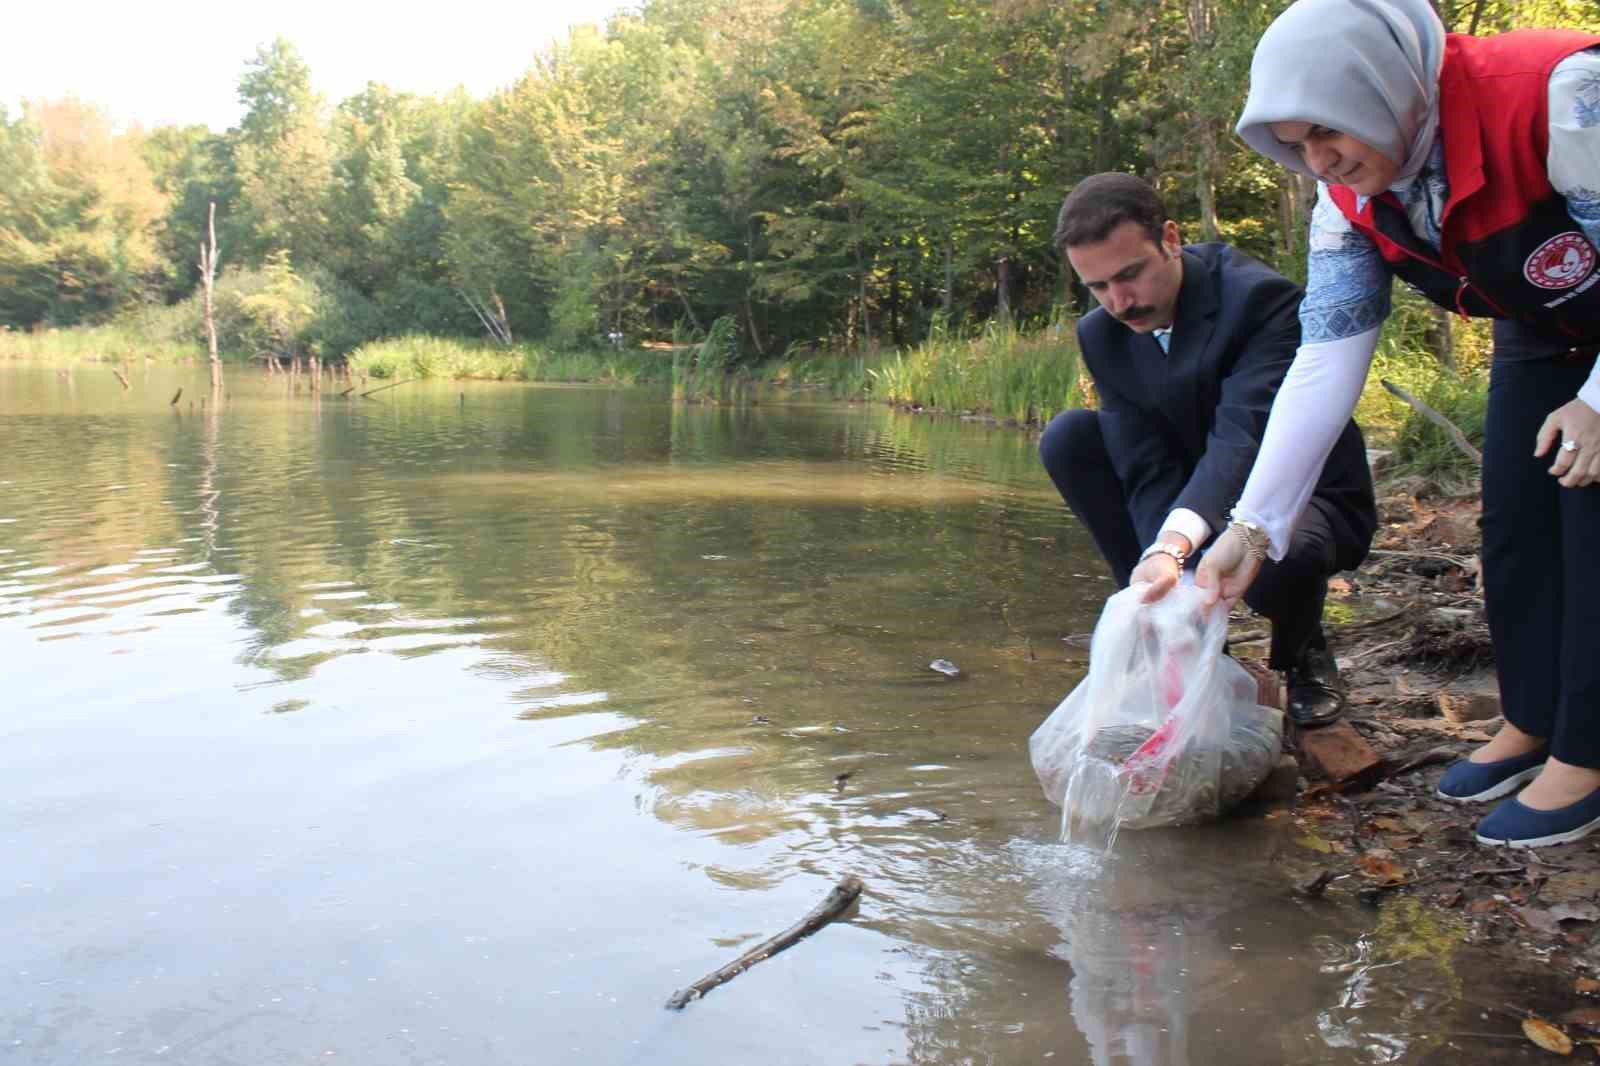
{"x": 1409, "y": 632}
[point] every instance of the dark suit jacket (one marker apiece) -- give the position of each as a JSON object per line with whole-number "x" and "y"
{"x": 1183, "y": 427}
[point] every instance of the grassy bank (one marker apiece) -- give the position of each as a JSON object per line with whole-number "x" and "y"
{"x": 1002, "y": 373}
{"x": 122, "y": 342}
{"x": 1013, "y": 376}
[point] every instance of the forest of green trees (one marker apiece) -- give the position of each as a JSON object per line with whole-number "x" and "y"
{"x": 826, "y": 174}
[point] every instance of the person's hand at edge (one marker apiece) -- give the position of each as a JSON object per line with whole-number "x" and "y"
{"x": 1227, "y": 570}
{"x": 1573, "y": 423}
{"x": 1159, "y": 570}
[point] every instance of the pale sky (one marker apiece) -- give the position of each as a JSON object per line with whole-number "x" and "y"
{"x": 178, "y": 61}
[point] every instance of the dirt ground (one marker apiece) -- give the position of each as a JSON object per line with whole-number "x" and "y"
{"x": 1409, "y": 633}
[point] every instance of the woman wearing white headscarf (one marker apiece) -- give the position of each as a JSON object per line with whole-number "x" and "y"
{"x": 1469, "y": 167}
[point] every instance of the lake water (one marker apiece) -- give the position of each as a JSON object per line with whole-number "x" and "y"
{"x": 464, "y": 724}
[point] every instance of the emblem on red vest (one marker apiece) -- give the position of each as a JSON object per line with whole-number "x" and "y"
{"x": 1560, "y": 262}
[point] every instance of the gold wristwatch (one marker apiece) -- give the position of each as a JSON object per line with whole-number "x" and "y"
{"x": 1254, "y": 537}
{"x": 1162, "y": 547}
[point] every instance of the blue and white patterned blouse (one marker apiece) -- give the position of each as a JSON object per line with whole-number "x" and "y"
{"x": 1347, "y": 280}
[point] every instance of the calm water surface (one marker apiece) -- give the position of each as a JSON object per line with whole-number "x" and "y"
{"x": 465, "y": 725}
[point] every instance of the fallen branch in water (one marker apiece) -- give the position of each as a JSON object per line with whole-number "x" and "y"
{"x": 391, "y": 385}
{"x": 843, "y": 894}
{"x": 1456, "y": 436}
{"x": 121, "y": 377}
{"x": 176, "y": 397}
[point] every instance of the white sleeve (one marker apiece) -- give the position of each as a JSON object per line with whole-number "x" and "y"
{"x": 1316, "y": 399}
{"x": 1193, "y": 528}
{"x": 1574, "y": 156}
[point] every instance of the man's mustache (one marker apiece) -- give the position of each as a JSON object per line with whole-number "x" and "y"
{"x": 1134, "y": 313}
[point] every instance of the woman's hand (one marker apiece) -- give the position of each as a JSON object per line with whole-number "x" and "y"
{"x": 1573, "y": 423}
{"x": 1227, "y": 569}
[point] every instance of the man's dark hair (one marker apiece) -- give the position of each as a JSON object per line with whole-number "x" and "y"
{"x": 1102, "y": 202}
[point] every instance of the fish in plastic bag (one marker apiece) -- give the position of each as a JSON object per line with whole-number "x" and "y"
{"x": 1164, "y": 730}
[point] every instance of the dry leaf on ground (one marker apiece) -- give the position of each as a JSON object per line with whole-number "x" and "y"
{"x": 1381, "y": 868}
{"x": 1547, "y": 1036}
{"x": 1315, "y": 843}
{"x": 1571, "y": 886}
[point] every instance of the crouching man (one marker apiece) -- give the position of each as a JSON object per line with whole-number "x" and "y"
{"x": 1187, "y": 349}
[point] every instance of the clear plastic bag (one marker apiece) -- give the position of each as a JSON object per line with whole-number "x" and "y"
{"x": 1164, "y": 730}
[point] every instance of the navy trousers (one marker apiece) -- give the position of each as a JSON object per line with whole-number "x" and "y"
{"x": 1541, "y": 576}
{"x": 1290, "y": 593}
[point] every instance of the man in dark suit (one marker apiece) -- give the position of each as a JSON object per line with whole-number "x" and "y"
{"x": 1187, "y": 350}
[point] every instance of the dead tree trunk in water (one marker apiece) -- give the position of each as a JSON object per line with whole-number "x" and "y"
{"x": 208, "y": 274}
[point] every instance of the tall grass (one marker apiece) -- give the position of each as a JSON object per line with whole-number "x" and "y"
{"x": 1460, "y": 393}
{"x": 422, "y": 356}
{"x": 419, "y": 356}
{"x": 700, "y": 371}
{"x": 1017, "y": 377}
{"x": 118, "y": 342}
{"x": 838, "y": 376}
{"x": 615, "y": 366}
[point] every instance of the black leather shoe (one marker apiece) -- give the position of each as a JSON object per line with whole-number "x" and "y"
{"x": 1315, "y": 695}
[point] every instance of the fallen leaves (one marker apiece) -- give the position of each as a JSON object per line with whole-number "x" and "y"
{"x": 1547, "y": 1036}
{"x": 1315, "y": 843}
{"x": 1571, "y": 886}
{"x": 1381, "y": 867}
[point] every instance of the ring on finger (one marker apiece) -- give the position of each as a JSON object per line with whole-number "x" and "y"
{"x": 1569, "y": 445}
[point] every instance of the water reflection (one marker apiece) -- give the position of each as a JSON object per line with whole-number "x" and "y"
{"x": 430, "y": 730}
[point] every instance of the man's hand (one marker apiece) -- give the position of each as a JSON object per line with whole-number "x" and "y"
{"x": 1576, "y": 423}
{"x": 1227, "y": 569}
{"x": 1160, "y": 570}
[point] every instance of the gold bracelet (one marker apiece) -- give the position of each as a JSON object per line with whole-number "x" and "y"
{"x": 1255, "y": 538}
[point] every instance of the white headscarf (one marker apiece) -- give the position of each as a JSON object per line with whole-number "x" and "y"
{"x": 1369, "y": 68}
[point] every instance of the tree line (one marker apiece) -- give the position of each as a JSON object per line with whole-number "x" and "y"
{"x": 823, "y": 173}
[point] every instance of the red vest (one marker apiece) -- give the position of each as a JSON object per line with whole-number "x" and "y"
{"x": 1509, "y": 249}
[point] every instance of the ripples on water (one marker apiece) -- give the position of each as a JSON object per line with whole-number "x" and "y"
{"x": 468, "y": 725}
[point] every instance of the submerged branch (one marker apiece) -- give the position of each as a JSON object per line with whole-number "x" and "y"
{"x": 843, "y": 894}
{"x": 391, "y": 385}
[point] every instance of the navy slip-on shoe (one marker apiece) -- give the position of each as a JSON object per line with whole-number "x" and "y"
{"x": 1514, "y": 825}
{"x": 1479, "y": 782}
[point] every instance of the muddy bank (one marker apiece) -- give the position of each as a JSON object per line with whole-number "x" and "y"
{"x": 1409, "y": 632}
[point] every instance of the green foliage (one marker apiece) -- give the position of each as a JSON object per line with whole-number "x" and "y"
{"x": 701, "y": 371}
{"x": 123, "y": 341}
{"x": 1021, "y": 378}
{"x": 1424, "y": 448}
{"x": 834, "y": 174}
{"x": 416, "y": 356}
